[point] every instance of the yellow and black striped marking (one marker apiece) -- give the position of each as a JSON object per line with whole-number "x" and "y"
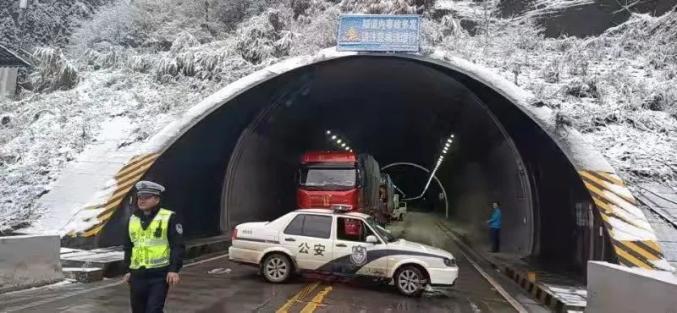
{"x": 125, "y": 180}
{"x": 631, "y": 234}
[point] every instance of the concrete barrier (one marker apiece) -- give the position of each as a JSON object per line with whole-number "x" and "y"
{"x": 29, "y": 261}
{"x": 618, "y": 289}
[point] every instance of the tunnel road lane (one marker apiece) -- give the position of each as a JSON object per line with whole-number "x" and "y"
{"x": 242, "y": 290}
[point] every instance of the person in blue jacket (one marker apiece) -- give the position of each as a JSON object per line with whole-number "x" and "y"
{"x": 494, "y": 223}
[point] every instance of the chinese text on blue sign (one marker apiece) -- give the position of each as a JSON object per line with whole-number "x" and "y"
{"x": 379, "y": 33}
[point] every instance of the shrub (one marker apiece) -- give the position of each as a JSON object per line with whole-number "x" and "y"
{"x": 111, "y": 58}
{"x": 663, "y": 98}
{"x": 582, "y": 88}
{"x": 53, "y": 70}
{"x": 552, "y": 71}
{"x": 140, "y": 64}
{"x": 261, "y": 38}
{"x": 299, "y": 7}
{"x": 114, "y": 24}
{"x": 320, "y": 31}
{"x": 184, "y": 41}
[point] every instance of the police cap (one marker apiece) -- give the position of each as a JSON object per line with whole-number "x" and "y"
{"x": 145, "y": 187}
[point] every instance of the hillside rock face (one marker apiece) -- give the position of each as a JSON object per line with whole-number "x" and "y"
{"x": 581, "y": 18}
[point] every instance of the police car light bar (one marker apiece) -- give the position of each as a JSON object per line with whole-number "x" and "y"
{"x": 339, "y": 208}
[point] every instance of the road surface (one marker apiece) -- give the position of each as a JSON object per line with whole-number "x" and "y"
{"x": 217, "y": 285}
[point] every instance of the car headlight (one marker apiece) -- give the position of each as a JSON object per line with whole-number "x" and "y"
{"x": 449, "y": 262}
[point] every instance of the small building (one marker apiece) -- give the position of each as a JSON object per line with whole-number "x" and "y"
{"x": 9, "y": 70}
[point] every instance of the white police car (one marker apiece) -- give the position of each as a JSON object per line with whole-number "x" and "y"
{"x": 347, "y": 244}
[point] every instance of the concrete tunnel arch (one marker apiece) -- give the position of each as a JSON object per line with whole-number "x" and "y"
{"x": 548, "y": 178}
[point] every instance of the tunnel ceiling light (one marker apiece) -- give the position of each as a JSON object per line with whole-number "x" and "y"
{"x": 340, "y": 142}
{"x": 445, "y": 150}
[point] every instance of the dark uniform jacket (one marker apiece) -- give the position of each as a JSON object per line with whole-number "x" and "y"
{"x": 176, "y": 245}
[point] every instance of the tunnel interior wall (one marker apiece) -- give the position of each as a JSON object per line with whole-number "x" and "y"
{"x": 261, "y": 183}
{"x": 192, "y": 169}
{"x": 485, "y": 167}
{"x": 556, "y": 189}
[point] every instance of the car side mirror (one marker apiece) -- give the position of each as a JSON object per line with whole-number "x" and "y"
{"x": 372, "y": 239}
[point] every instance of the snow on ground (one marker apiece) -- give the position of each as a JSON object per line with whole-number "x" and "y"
{"x": 48, "y": 131}
{"x": 617, "y": 89}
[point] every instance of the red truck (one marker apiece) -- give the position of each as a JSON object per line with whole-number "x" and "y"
{"x": 329, "y": 178}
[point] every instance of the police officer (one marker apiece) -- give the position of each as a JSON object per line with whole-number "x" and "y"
{"x": 153, "y": 250}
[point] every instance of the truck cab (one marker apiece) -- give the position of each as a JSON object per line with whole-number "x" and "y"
{"x": 328, "y": 178}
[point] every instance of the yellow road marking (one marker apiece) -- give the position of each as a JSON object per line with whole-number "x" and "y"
{"x": 302, "y": 293}
{"x": 316, "y": 301}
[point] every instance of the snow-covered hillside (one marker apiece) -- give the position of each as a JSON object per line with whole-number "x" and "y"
{"x": 149, "y": 60}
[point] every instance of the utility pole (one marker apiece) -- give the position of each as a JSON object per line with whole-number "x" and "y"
{"x": 207, "y": 11}
{"x": 23, "y": 5}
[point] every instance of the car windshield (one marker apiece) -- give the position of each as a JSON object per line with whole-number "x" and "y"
{"x": 334, "y": 177}
{"x": 380, "y": 230}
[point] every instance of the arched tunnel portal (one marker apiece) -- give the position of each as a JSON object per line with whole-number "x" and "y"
{"x": 237, "y": 160}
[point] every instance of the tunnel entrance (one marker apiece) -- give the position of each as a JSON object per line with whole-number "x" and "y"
{"x": 239, "y": 162}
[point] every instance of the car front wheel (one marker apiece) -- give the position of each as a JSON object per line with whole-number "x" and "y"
{"x": 276, "y": 268}
{"x": 410, "y": 281}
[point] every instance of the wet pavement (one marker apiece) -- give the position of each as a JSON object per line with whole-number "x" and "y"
{"x": 218, "y": 285}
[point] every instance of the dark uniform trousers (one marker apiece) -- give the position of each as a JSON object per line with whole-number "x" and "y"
{"x": 148, "y": 293}
{"x": 495, "y": 236}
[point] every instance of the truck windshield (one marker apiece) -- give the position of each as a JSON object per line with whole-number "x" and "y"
{"x": 333, "y": 177}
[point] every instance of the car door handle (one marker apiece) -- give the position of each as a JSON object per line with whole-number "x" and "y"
{"x": 341, "y": 245}
{"x": 289, "y": 239}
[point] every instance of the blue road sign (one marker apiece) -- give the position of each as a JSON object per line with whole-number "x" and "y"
{"x": 366, "y": 32}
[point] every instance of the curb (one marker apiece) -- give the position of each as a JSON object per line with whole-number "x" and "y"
{"x": 538, "y": 291}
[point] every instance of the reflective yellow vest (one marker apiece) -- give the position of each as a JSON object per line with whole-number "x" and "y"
{"x": 150, "y": 246}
